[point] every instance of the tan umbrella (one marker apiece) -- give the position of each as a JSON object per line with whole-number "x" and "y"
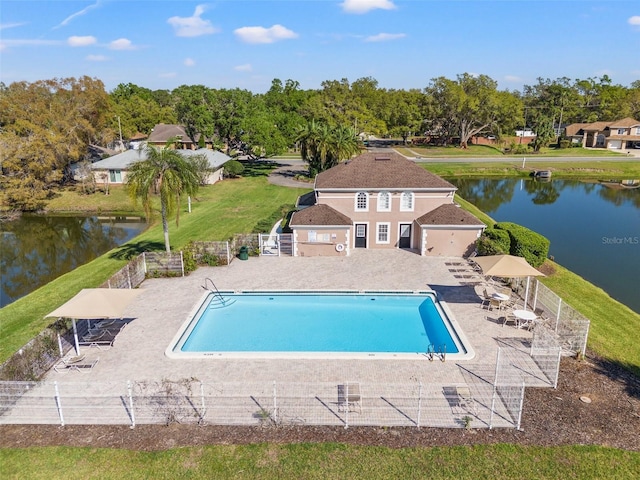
{"x": 94, "y": 303}
{"x": 508, "y": 266}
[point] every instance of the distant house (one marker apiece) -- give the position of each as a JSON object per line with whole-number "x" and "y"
{"x": 617, "y": 135}
{"x": 383, "y": 201}
{"x": 114, "y": 169}
{"x": 163, "y": 132}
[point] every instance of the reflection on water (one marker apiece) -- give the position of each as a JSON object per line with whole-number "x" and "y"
{"x": 594, "y": 227}
{"x": 37, "y": 249}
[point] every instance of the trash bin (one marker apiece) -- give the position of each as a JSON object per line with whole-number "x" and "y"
{"x": 244, "y": 253}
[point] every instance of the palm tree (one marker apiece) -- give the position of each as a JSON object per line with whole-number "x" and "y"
{"x": 167, "y": 173}
{"x": 323, "y": 147}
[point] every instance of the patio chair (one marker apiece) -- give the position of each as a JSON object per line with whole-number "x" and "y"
{"x": 101, "y": 340}
{"x": 460, "y": 399}
{"x": 349, "y": 399}
{"x": 489, "y": 301}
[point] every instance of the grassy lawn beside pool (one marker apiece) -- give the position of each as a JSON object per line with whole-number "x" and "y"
{"x": 322, "y": 461}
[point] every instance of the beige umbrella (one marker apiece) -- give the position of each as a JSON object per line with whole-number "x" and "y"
{"x": 94, "y": 303}
{"x": 508, "y": 266}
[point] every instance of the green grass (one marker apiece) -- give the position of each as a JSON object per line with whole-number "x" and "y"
{"x": 592, "y": 169}
{"x": 69, "y": 200}
{"x": 322, "y": 461}
{"x": 219, "y": 211}
{"x": 497, "y": 151}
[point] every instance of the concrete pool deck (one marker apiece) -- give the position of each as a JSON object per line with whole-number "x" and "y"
{"x": 166, "y": 303}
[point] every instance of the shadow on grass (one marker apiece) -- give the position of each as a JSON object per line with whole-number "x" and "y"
{"x": 133, "y": 249}
{"x": 622, "y": 372}
{"x": 258, "y": 168}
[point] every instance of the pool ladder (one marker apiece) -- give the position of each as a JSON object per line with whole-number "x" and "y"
{"x": 441, "y": 353}
{"x": 220, "y": 301}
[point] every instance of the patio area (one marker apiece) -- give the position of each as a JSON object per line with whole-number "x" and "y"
{"x": 392, "y": 391}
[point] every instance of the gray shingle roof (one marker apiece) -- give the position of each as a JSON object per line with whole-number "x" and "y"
{"x": 449, "y": 214}
{"x": 163, "y": 132}
{"x": 122, "y": 160}
{"x": 319, "y": 215}
{"x": 380, "y": 171}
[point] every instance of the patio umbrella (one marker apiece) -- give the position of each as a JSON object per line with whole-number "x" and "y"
{"x": 95, "y": 303}
{"x": 508, "y": 266}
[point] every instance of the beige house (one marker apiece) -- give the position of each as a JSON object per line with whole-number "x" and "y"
{"x": 383, "y": 201}
{"x": 618, "y": 135}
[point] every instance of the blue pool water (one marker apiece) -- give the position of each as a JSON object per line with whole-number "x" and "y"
{"x": 259, "y": 322}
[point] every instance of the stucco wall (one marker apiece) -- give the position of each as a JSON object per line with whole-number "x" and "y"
{"x": 449, "y": 242}
{"x": 323, "y": 246}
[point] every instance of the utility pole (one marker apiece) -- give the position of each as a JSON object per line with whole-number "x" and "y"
{"x": 120, "y": 131}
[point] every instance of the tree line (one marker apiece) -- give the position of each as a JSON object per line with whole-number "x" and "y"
{"x": 47, "y": 125}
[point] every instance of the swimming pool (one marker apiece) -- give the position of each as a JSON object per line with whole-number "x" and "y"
{"x": 320, "y": 324}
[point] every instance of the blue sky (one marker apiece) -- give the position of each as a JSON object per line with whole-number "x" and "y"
{"x": 246, "y": 44}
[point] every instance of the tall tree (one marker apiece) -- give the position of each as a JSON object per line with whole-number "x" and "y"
{"x": 468, "y": 104}
{"x": 323, "y": 146}
{"x": 46, "y": 126}
{"x": 167, "y": 173}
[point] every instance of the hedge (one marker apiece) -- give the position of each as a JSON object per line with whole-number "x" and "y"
{"x": 526, "y": 243}
{"x": 494, "y": 242}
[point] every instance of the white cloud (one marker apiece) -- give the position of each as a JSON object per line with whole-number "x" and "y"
{"x": 364, "y": 6}
{"x": 76, "y": 41}
{"x": 634, "y": 21}
{"x": 85, "y": 10}
{"x": 168, "y": 75}
{"x": 121, "y": 44}
{"x": 192, "y": 26}
{"x": 4, "y": 26}
{"x": 264, "y": 35}
{"x": 243, "y": 68}
{"x": 189, "y": 62}
{"x": 96, "y": 58}
{"x": 512, "y": 78}
{"x": 384, "y": 37}
{"x": 29, "y": 42}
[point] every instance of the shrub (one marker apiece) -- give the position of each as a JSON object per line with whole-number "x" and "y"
{"x": 564, "y": 143}
{"x": 526, "y": 243}
{"x": 233, "y": 168}
{"x": 494, "y": 242}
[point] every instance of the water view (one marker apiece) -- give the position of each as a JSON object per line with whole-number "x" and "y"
{"x": 35, "y": 250}
{"x": 594, "y": 227}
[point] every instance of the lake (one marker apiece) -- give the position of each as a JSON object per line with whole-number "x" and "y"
{"x": 594, "y": 227}
{"x": 35, "y": 250}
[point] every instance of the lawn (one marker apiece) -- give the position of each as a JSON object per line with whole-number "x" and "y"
{"x": 218, "y": 212}
{"x": 322, "y": 461}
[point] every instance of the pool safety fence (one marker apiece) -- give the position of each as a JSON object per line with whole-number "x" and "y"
{"x": 129, "y": 276}
{"x": 162, "y": 264}
{"x": 570, "y": 326}
{"x": 218, "y": 253}
{"x": 268, "y": 403}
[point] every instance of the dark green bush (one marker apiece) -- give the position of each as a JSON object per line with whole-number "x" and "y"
{"x": 494, "y": 242}
{"x": 233, "y": 168}
{"x": 564, "y": 143}
{"x": 526, "y": 243}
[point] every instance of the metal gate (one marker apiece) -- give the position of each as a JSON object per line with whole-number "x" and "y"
{"x": 276, "y": 245}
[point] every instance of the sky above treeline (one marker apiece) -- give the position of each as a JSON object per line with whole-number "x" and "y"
{"x": 163, "y": 44}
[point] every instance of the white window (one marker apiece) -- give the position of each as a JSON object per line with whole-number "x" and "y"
{"x": 115, "y": 176}
{"x": 382, "y": 232}
{"x": 362, "y": 201}
{"x": 406, "y": 202}
{"x": 384, "y": 202}
{"x": 637, "y": 130}
{"x": 621, "y": 131}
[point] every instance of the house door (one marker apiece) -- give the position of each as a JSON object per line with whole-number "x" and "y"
{"x": 361, "y": 235}
{"x": 405, "y": 235}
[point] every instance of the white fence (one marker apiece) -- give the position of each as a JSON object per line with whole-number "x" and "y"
{"x": 267, "y": 403}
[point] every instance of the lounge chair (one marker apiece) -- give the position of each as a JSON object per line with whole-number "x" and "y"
{"x": 101, "y": 340}
{"x": 77, "y": 363}
{"x": 349, "y": 399}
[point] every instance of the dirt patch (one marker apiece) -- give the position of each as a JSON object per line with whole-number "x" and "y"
{"x": 551, "y": 417}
